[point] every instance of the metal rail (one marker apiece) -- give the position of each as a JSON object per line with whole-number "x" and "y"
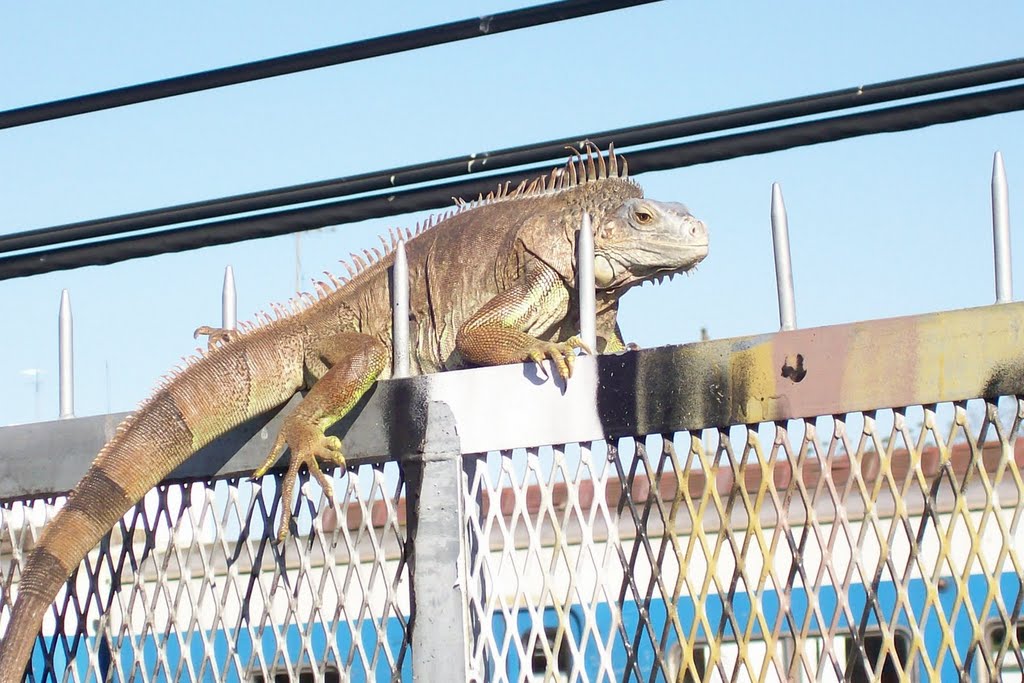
{"x": 451, "y": 579}
{"x": 906, "y": 117}
{"x": 523, "y": 155}
{"x": 313, "y": 59}
{"x": 731, "y": 381}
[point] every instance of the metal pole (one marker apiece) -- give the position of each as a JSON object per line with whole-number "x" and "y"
{"x": 1001, "y": 231}
{"x": 585, "y": 284}
{"x": 440, "y": 34}
{"x": 783, "y": 265}
{"x": 523, "y": 155}
{"x": 66, "y": 357}
{"x": 439, "y": 564}
{"x": 400, "y": 313}
{"x": 229, "y": 301}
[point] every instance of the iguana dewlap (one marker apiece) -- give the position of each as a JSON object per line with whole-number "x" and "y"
{"x": 492, "y": 282}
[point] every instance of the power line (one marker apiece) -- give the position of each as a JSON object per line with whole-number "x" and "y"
{"x": 545, "y": 152}
{"x": 891, "y": 119}
{"x": 313, "y": 59}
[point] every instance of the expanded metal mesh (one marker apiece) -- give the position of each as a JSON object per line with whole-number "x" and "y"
{"x": 191, "y": 586}
{"x": 872, "y": 546}
{"x": 864, "y": 547}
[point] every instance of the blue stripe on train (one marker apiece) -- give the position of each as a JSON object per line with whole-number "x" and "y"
{"x": 641, "y": 640}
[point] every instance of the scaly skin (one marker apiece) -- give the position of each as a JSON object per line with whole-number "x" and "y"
{"x": 491, "y": 283}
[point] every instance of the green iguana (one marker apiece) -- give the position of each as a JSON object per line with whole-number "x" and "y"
{"x": 492, "y": 282}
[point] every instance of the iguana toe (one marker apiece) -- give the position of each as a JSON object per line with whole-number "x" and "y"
{"x": 217, "y": 335}
{"x": 330, "y": 449}
{"x": 561, "y": 353}
{"x": 307, "y": 443}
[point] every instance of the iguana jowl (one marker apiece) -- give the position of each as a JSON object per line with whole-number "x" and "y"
{"x": 492, "y": 282}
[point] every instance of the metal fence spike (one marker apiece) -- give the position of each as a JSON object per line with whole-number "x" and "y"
{"x": 585, "y": 283}
{"x": 229, "y": 301}
{"x": 66, "y": 357}
{"x": 400, "y": 313}
{"x": 1001, "y": 231}
{"x": 783, "y": 264}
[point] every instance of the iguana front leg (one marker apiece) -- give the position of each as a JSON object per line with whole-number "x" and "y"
{"x": 354, "y": 362}
{"x": 609, "y": 334}
{"x": 499, "y": 333}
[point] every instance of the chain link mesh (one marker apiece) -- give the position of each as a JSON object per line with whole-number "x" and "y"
{"x": 191, "y": 586}
{"x": 877, "y": 546}
{"x": 884, "y": 545}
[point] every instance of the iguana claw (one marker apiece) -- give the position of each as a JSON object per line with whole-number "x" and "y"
{"x": 307, "y": 444}
{"x": 559, "y": 352}
{"x": 216, "y": 335}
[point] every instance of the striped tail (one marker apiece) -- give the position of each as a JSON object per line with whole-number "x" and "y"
{"x": 149, "y": 445}
{"x": 208, "y": 398}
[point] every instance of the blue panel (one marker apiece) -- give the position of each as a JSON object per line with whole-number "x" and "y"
{"x": 638, "y": 639}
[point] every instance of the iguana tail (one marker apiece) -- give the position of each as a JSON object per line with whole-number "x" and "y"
{"x": 203, "y": 401}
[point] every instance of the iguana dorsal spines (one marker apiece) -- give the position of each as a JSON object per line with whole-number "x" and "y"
{"x": 491, "y": 281}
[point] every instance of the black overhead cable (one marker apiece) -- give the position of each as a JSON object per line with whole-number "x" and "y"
{"x": 891, "y": 119}
{"x": 313, "y": 59}
{"x": 545, "y": 152}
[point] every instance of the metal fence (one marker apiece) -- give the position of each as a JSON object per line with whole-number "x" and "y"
{"x": 839, "y": 503}
{"x": 706, "y": 515}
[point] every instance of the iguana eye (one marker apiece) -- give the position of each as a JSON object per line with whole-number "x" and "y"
{"x": 643, "y": 217}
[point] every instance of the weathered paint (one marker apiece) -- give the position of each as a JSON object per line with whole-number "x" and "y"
{"x": 914, "y": 360}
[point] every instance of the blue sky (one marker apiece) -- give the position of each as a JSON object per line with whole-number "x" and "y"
{"x": 880, "y": 226}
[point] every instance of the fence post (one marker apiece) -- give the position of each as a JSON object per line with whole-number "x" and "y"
{"x": 437, "y": 558}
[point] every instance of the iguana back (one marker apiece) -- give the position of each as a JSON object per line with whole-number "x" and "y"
{"x": 492, "y": 282}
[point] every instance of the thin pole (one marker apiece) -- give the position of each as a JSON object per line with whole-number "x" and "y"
{"x": 537, "y": 153}
{"x": 783, "y": 265}
{"x": 400, "y": 313}
{"x": 66, "y": 357}
{"x": 440, "y": 34}
{"x": 229, "y": 301}
{"x": 1001, "y": 231}
{"x": 585, "y": 283}
{"x": 226, "y": 231}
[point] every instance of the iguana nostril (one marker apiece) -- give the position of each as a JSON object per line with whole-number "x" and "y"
{"x": 698, "y": 229}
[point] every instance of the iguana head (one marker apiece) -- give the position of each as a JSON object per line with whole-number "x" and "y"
{"x": 643, "y": 239}
{"x": 635, "y": 239}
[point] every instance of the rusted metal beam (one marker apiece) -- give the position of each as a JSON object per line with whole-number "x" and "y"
{"x": 895, "y": 362}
